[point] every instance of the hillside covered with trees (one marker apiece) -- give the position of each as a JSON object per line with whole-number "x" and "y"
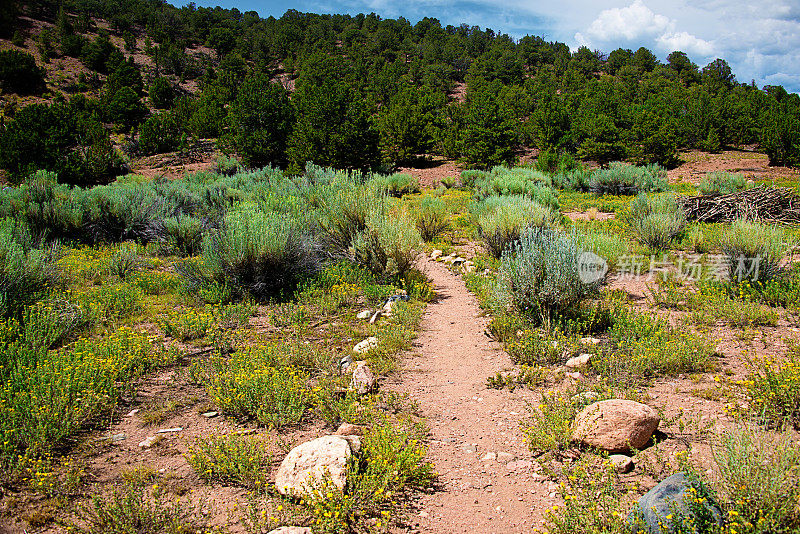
{"x": 89, "y": 84}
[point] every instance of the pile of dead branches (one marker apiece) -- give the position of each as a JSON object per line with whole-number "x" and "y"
{"x": 760, "y": 203}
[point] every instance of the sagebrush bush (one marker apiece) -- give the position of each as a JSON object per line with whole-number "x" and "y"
{"x": 124, "y": 261}
{"x": 539, "y": 276}
{"x": 755, "y": 251}
{"x": 342, "y": 215}
{"x": 263, "y": 254}
{"x": 656, "y": 220}
{"x": 116, "y": 213}
{"x": 52, "y": 211}
{"x": 26, "y": 273}
{"x": 432, "y": 217}
{"x": 397, "y": 184}
{"x": 622, "y": 179}
{"x": 772, "y": 390}
{"x": 389, "y": 244}
{"x": 183, "y": 234}
{"x": 722, "y": 183}
{"x": 501, "y": 220}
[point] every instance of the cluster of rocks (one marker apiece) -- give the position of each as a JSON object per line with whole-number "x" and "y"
{"x": 385, "y": 310}
{"x": 453, "y": 259}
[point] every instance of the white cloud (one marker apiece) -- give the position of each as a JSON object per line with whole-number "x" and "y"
{"x": 685, "y": 42}
{"x": 632, "y": 22}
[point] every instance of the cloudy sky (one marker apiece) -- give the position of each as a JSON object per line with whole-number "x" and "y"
{"x": 760, "y": 39}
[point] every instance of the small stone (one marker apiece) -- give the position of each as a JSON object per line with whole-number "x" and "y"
{"x": 590, "y": 340}
{"x": 458, "y": 261}
{"x": 149, "y": 441}
{"x": 378, "y": 314}
{"x": 423, "y": 513}
{"x": 584, "y": 396}
{"x": 490, "y": 457}
{"x": 575, "y": 376}
{"x": 366, "y": 345}
{"x": 210, "y": 414}
{"x": 623, "y": 464}
{"x": 363, "y": 380}
{"x": 118, "y": 437}
{"x": 355, "y": 443}
{"x": 436, "y": 254}
{"x": 291, "y": 530}
{"x": 519, "y": 464}
{"x": 132, "y": 412}
{"x": 169, "y": 430}
{"x": 579, "y": 361}
{"x": 505, "y": 457}
{"x": 470, "y": 448}
{"x": 349, "y": 429}
{"x": 365, "y": 314}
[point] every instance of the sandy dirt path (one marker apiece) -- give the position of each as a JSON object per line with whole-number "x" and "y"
{"x": 446, "y": 375}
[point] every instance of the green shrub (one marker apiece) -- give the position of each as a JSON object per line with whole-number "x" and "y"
{"x": 755, "y": 251}
{"x": 342, "y": 215}
{"x": 757, "y": 479}
{"x": 159, "y": 133}
{"x": 470, "y": 178}
{"x": 389, "y": 244}
{"x": 656, "y": 220}
{"x": 722, "y": 183}
{"x": 126, "y": 109}
{"x": 124, "y": 261}
{"x": 122, "y": 212}
{"x": 265, "y": 255}
{"x": 27, "y": 273}
{"x": 131, "y": 509}
{"x": 772, "y": 389}
{"x": 183, "y": 234}
{"x": 501, "y": 220}
{"x": 19, "y": 73}
{"x": 161, "y": 93}
{"x": 228, "y": 165}
{"x": 49, "y": 396}
{"x": 432, "y": 217}
{"x": 238, "y": 460}
{"x": 648, "y": 347}
{"x": 397, "y": 184}
{"x": 518, "y": 181}
{"x": 52, "y": 211}
{"x": 621, "y": 179}
{"x": 574, "y": 180}
{"x": 539, "y": 276}
{"x": 260, "y": 384}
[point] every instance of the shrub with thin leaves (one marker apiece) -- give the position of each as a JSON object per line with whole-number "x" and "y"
{"x": 539, "y": 276}
{"x": 263, "y": 254}
{"x": 397, "y": 184}
{"x": 622, "y": 179}
{"x": 238, "y": 460}
{"x": 755, "y": 250}
{"x": 183, "y": 234}
{"x": 432, "y": 217}
{"x": 389, "y": 244}
{"x": 501, "y": 220}
{"x": 26, "y": 273}
{"x": 124, "y": 261}
{"x": 722, "y": 183}
{"x": 657, "y": 220}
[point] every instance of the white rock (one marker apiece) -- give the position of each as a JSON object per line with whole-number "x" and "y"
{"x": 149, "y": 441}
{"x": 132, "y": 412}
{"x": 623, "y": 464}
{"x": 458, "y": 260}
{"x": 436, "y": 254}
{"x": 366, "y": 345}
{"x": 365, "y": 314}
{"x": 169, "y": 430}
{"x": 490, "y": 457}
{"x": 210, "y": 414}
{"x": 579, "y": 361}
{"x": 309, "y": 463}
{"x": 363, "y": 380}
{"x": 590, "y": 340}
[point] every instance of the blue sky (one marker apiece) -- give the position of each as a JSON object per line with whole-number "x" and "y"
{"x": 760, "y": 39}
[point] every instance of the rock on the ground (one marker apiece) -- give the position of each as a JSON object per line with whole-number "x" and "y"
{"x": 291, "y": 530}
{"x": 308, "y": 463}
{"x": 505, "y": 457}
{"x": 363, "y": 380}
{"x": 579, "y": 361}
{"x": 622, "y": 463}
{"x": 655, "y": 505}
{"x": 349, "y": 429}
{"x": 590, "y": 340}
{"x": 489, "y": 457}
{"x": 366, "y": 345}
{"x": 364, "y": 314}
{"x": 615, "y": 425}
{"x": 149, "y": 441}
{"x": 436, "y": 254}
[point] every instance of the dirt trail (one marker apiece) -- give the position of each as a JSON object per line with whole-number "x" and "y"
{"x": 447, "y": 375}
